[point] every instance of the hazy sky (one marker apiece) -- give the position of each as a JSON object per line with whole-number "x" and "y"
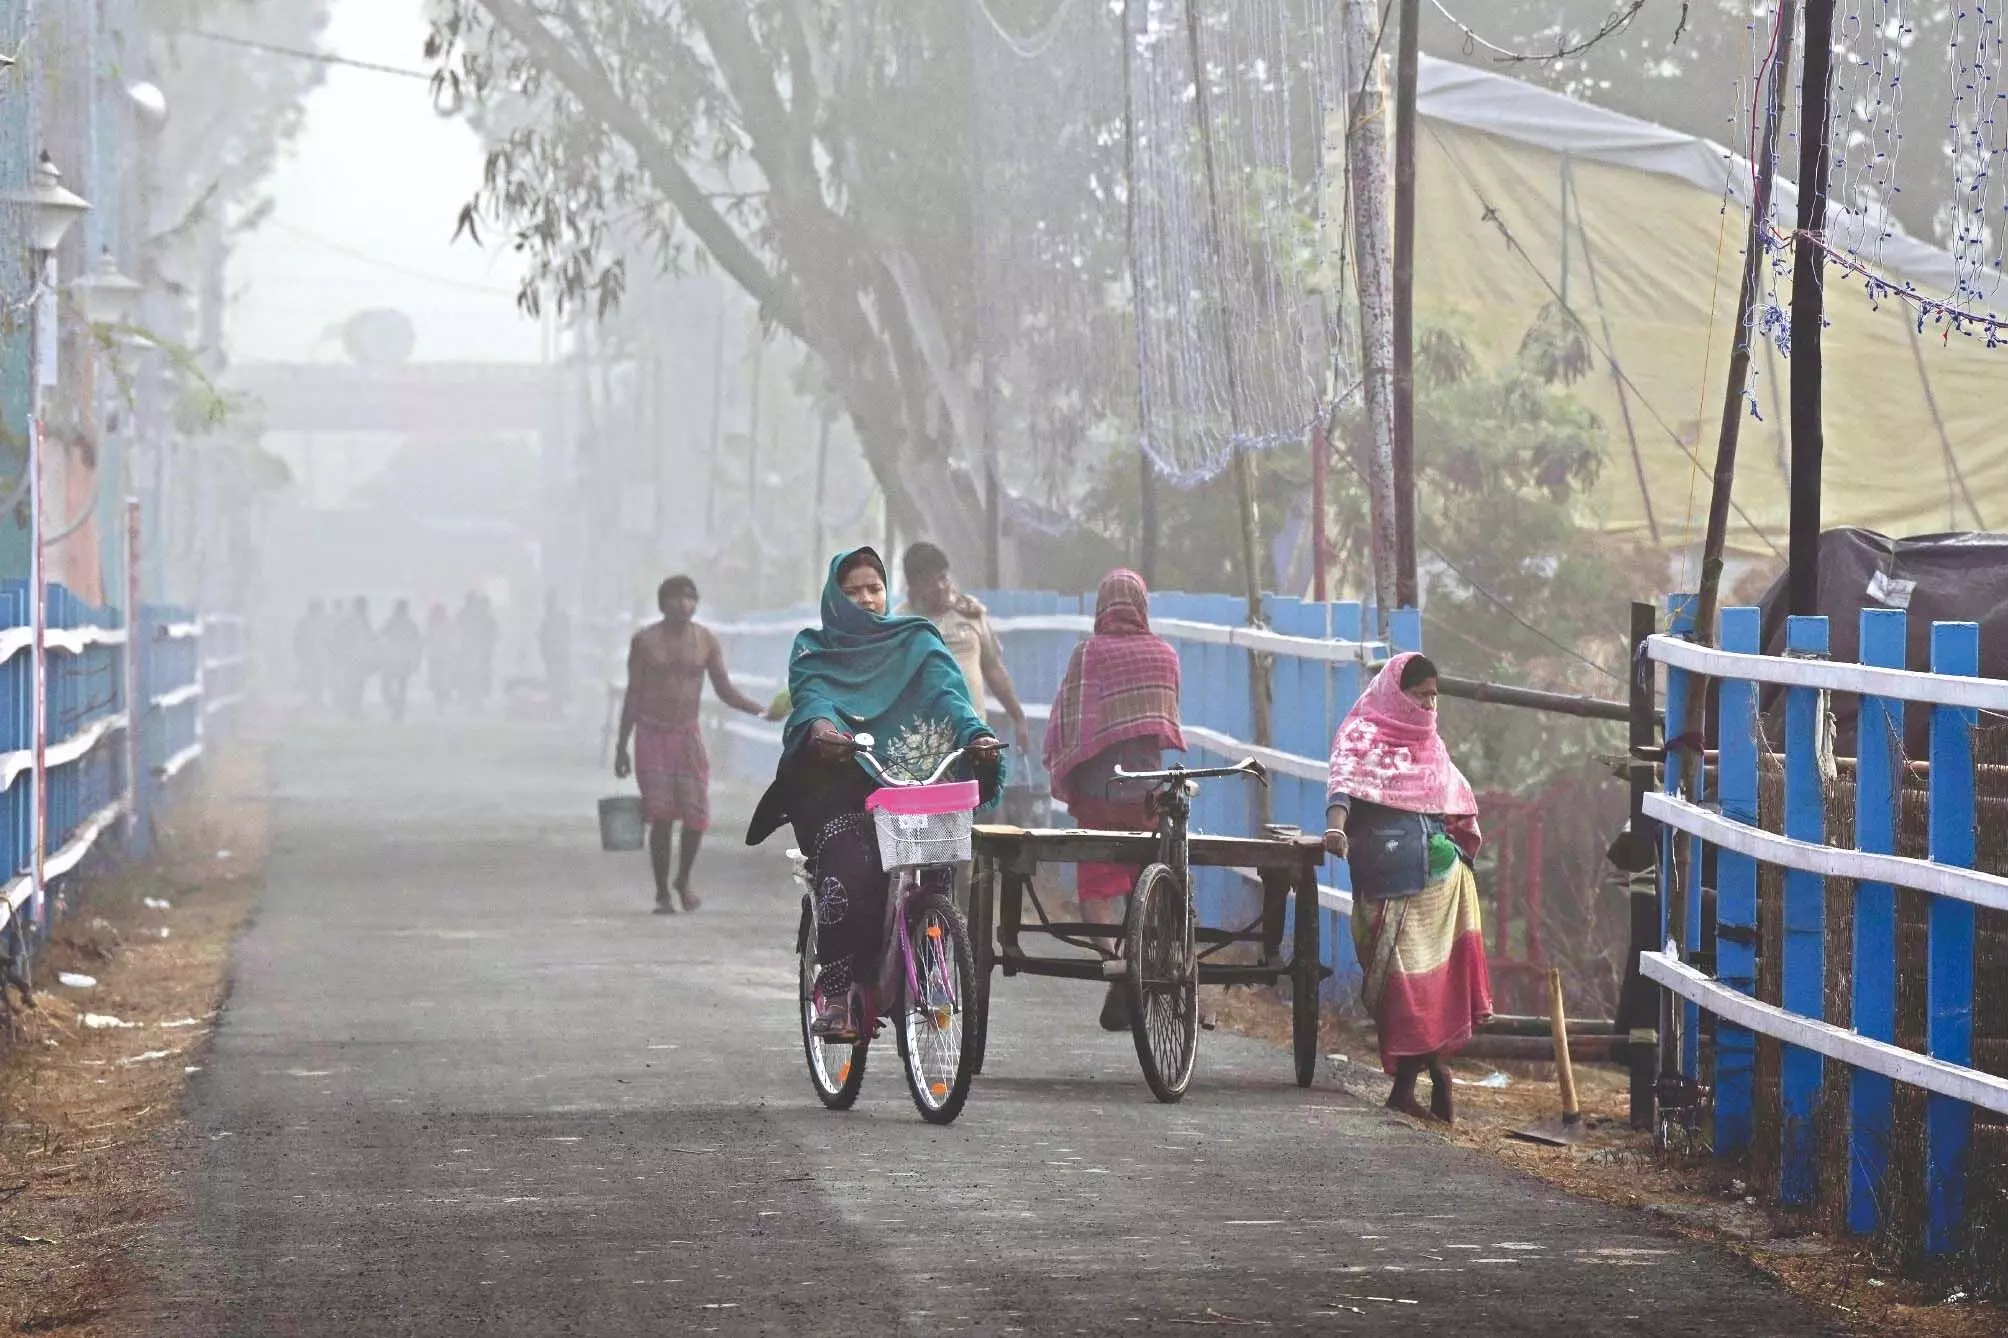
{"x": 365, "y": 205}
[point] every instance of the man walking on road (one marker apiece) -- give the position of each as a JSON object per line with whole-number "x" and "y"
{"x": 668, "y": 662}
{"x": 965, "y": 626}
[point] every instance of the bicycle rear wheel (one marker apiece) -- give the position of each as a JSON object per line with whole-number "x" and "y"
{"x": 1162, "y": 968}
{"x": 934, "y": 1026}
{"x": 836, "y": 1068}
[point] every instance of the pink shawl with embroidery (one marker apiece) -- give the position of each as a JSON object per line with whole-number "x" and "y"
{"x": 1388, "y": 752}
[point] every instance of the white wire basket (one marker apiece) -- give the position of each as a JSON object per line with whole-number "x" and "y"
{"x": 907, "y": 840}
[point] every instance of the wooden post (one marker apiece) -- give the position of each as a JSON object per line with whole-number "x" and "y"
{"x": 1872, "y": 1096}
{"x": 1808, "y": 300}
{"x": 1804, "y": 961}
{"x": 1407, "y": 590}
{"x": 1366, "y": 156}
{"x": 1948, "y": 1028}
{"x": 753, "y": 465}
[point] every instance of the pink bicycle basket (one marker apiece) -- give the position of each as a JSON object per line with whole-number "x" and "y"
{"x": 919, "y": 825}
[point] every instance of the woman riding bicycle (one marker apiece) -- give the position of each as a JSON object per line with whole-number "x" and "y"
{"x": 893, "y": 678}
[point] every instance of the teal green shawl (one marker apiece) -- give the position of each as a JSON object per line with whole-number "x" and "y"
{"x": 890, "y": 677}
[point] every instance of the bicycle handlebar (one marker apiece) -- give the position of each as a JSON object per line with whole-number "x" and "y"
{"x": 1247, "y": 767}
{"x": 861, "y": 745}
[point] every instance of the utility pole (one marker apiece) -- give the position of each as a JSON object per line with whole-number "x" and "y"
{"x": 1808, "y": 299}
{"x": 1366, "y": 150}
{"x": 753, "y": 463}
{"x": 1407, "y": 585}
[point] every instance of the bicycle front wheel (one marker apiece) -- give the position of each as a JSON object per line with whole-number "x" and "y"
{"x": 836, "y": 1068}
{"x": 936, "y": 1017}
{"x": 1162, "y": 967}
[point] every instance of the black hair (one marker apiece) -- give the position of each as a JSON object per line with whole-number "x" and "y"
{"x": 674, "y": 586}
{"x": 864, "y": 557}
{"x": 923, "y": 560}
{"x": 1417, "y": 671}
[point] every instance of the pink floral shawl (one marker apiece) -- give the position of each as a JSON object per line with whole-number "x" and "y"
{"x": 1388, "y": 752}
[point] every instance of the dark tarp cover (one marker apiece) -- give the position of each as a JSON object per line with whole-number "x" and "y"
{"x": 1958, "y": 578}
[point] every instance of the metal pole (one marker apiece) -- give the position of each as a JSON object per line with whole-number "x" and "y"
{"x": 1808, "y": 262}
{"x": 1407, "y": 592}
{"x": 132, "y": 652}
{"x": 1320, "y": 547}
{"x": 43, "y": 375}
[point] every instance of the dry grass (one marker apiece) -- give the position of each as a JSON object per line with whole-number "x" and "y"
{"x": 82, "y": 1171}
{"x": 1693, "y": 1194}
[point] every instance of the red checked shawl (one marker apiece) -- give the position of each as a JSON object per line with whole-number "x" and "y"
{"x": 1121, "y": 685}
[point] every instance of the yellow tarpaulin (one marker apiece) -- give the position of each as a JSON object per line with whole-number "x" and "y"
{"x": 1657, "y": 259}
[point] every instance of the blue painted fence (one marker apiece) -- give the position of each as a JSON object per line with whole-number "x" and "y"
{"x": 91, "y": 809}
{"x": 1312, "y": 689}
{"x": 1727, "y": 817}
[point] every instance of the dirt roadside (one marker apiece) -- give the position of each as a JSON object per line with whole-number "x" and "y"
{"x": 1695, "y": 1195}
{"x": 94, "y": 1073}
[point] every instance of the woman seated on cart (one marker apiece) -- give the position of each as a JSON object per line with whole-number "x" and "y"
{"x": 893, "y": 678}
{"x": 1117, "y": 707}
{"x": 1404, "y": 818}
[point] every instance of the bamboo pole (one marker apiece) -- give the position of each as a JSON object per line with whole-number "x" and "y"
{"x": 1690, "y": 738}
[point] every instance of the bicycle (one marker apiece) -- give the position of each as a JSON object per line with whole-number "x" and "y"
{"x": 926, "y": 976}
{"x": 1160, "y": 951}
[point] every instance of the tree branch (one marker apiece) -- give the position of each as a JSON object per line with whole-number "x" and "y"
{"x": 657, "y": 158}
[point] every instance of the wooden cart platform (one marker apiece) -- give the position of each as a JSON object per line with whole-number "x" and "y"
{"x": 1007, "y": 861}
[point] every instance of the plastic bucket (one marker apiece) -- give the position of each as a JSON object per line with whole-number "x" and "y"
{"x": 620, "y": 823}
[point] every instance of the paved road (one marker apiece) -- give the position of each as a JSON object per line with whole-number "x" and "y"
{"x": 467, "y": 1084}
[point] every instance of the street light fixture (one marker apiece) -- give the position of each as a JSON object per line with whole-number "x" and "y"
{"x": 51, "y": 206}
{"x": 105, "y": 296}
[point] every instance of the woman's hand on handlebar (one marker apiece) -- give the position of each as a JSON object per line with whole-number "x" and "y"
{"x": 831, "y": 744}
{"x": 986, "y": 753}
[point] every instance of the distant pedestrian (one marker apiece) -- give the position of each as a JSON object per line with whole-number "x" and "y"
{"x": 310, "y": 652}
{"x": 667, "y": 664}
{"x": 401, "y": 649}
{"x": 965, "y": 625}
{"x": 1404, "y": 818}
{"x": 442, "y": 656}
{"x": 554, "y": 642}
{"x": 353, "y": 658}
{"x": 1117, "y": 707}
{"x": 477, "y": 632}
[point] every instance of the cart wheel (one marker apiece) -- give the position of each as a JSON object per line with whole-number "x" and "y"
{"x": 983, "y": 957}
{"x": 836, "y": 1070}
{"x": 1306, "y": 975}
{"x": 1162, "y": 968}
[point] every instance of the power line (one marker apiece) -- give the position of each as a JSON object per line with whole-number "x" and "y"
{"x": 389, "y": 266}
{"x": 299, "y": 53}
{"x": 1618, "y": 21}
